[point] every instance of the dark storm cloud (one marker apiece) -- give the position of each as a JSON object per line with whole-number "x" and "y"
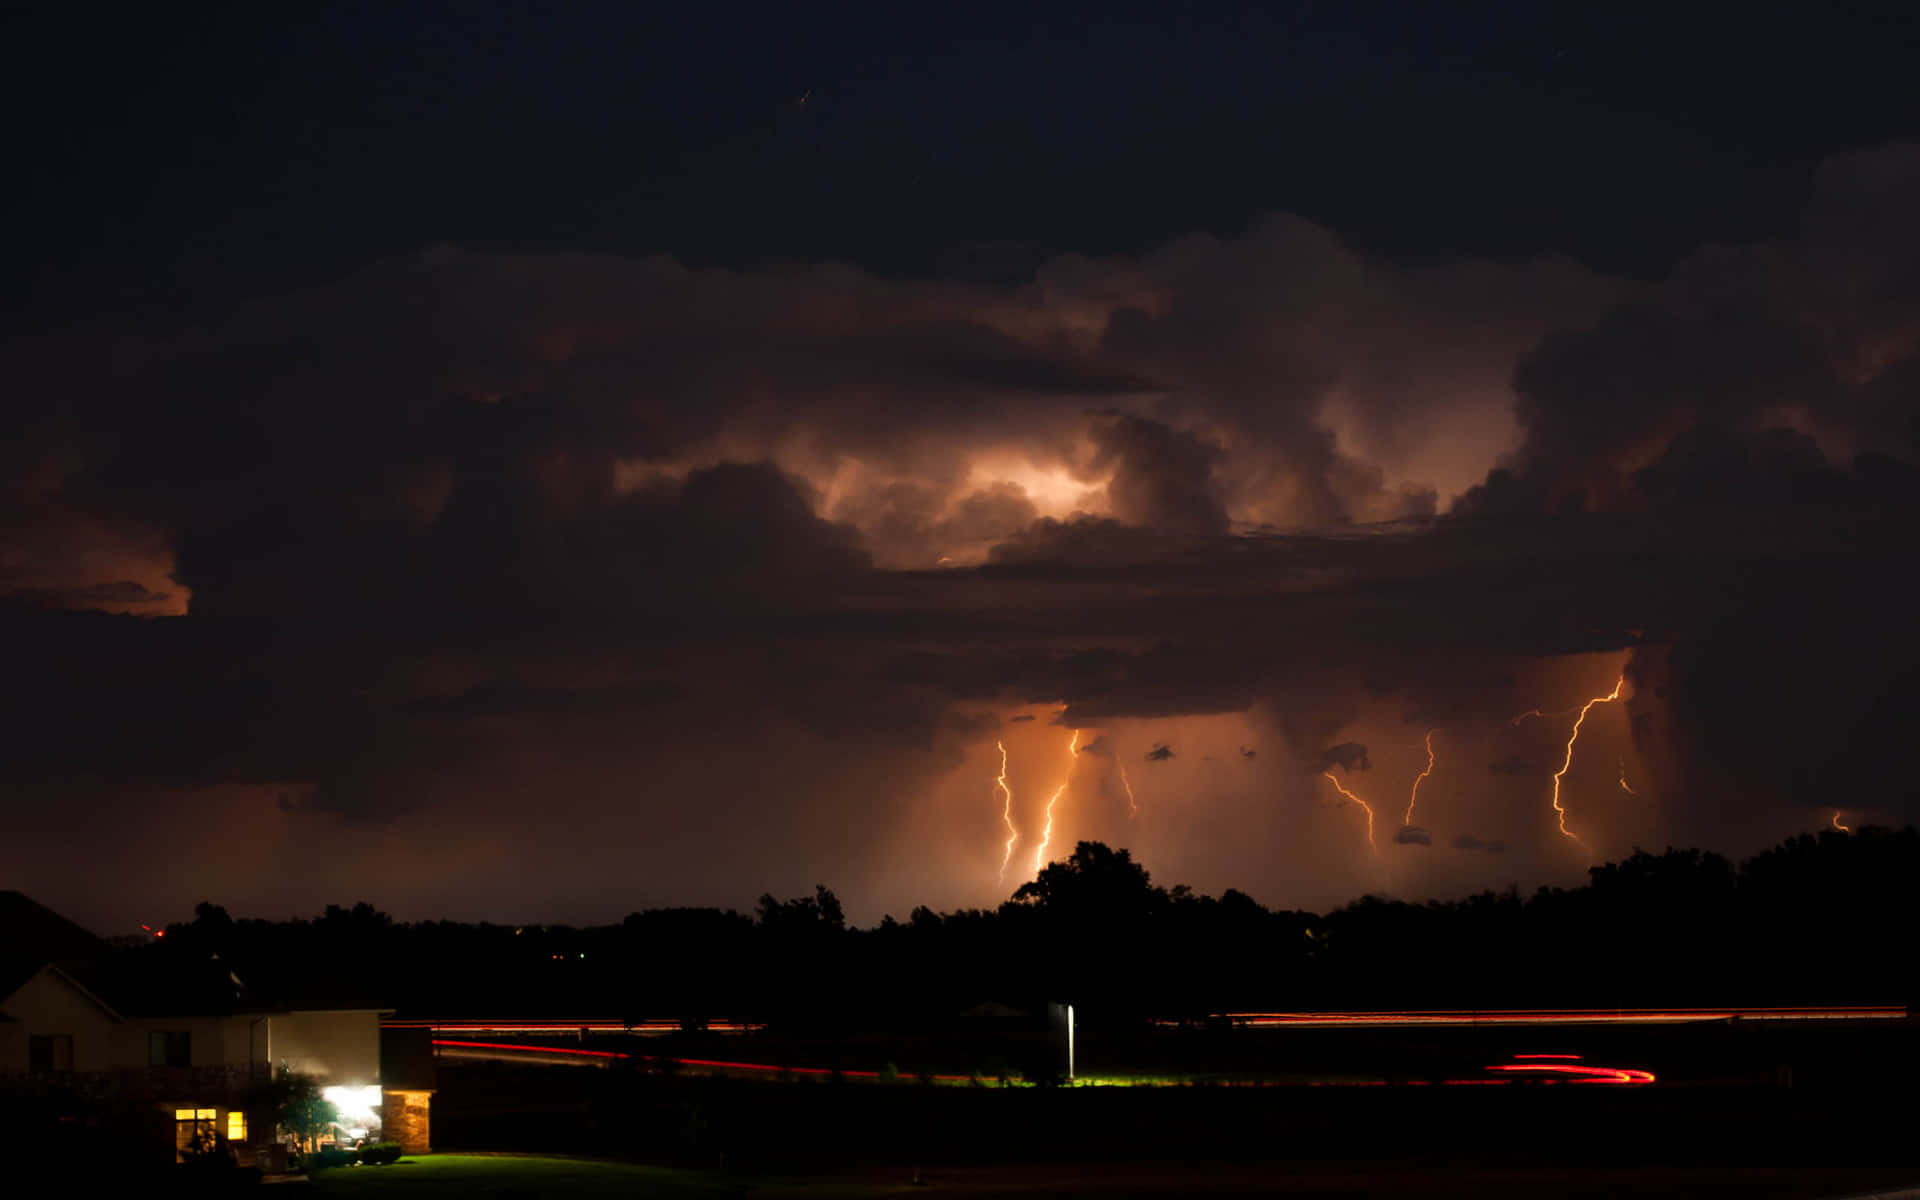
{"x": 571, "y": 516}
{"x": 1099, "y": 747}
{"x": 509, "y": 699}
{"x": 1513, "y": 764}
{"x": 120, "y": 595}
{"x": 1771, "y": 389}
{"x": 1723, "y": 370}
{"x": 1467, "y": 841}
{"x": 1348, "y": 756}
{"x": 1162, "y": 478}
{"x": 1412, "y": 835}
{"x": 1020, "y": 718}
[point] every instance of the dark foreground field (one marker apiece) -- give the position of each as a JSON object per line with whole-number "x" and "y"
{"x": 1152, "y": 1137}
{"x": 1839, "y": 1095}
{"x": 511, "y": 1176}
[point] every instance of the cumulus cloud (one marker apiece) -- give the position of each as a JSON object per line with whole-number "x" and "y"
{"x": 467, "y": 528}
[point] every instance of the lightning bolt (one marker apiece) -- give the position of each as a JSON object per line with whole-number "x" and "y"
{"x": 1046, "y": 835}
{"x": 1411, "y": 800}
{"x": 1837, "y": 824}
{"x": 1133, "y": 809}
{"x": 1006, "y": 811}
{"x": 1357, "y": 800}
{"x": 1624, "y": 785}
{"x": 1571, "y": 739}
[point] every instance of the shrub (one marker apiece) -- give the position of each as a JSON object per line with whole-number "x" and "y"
{"x": 335, "y": 1156}
{"x": 380, "y": 1154}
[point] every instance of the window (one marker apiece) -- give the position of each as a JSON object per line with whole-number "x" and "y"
{"x": 193, "y": 1131}
{"x": 237, "y": 1126}
{"x": 169, "y": 1048}
{"x": 49, "y": 1052}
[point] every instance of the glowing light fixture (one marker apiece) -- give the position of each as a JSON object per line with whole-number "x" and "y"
{"x": 357, "y": 1106}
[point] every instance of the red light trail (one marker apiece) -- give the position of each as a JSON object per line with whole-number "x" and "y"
{"x": 685, "y": 1062}
{"x": 1046, "y": 834}
{"x": 1554, "y": 1016}
{"x": 1575, "y": 1074}
{"x": 1837, "y": 824}
{"x": 1357, "y": 800}
{"x": 1006, "y": 811}
{"x": 1413, "y": 799}
{"x": 1571, "y": 739}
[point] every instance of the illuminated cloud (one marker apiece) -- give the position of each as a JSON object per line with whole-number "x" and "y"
{"x": 532, "y": 544}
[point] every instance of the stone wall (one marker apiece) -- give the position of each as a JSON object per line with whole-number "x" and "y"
{"x": 407, "y": 1119}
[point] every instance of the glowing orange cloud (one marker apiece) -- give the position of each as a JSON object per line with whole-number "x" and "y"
{"x": 1006, "y": 811}
{"x": 1046, "y": 835}
{"x": 1571, "y": 739}
{"x": 1357, "y": 800}
{"x": 1837, "y": 824}
{"x": 1413, "y": 799}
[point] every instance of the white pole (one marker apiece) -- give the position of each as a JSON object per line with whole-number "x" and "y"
{"x": 1069, "y": 1043}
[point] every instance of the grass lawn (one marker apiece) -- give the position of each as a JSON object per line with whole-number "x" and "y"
{"x": 516, "y": 1176}
{"x": 436, "y": 1175}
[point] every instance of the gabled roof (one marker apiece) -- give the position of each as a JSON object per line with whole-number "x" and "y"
{"x": 30, "y": 930}
{"x": 64, "y": 977}
{"x": 33, "y": 935}
{"x": 140, "y": 981}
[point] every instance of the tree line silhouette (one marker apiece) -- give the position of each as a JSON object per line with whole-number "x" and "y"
{"x": 1818, "y": 919}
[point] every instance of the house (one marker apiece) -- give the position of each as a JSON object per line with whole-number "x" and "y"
{"x": 177, "y": 1048}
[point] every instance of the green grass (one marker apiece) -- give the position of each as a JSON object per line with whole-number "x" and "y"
{"x": 437, "y": 1175}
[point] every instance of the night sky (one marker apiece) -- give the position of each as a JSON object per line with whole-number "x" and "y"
{"x": 538, "y": 462}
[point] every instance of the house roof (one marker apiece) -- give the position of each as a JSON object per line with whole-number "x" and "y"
{"x": 143, "y": 981}
{"x": 33, "y": 935}
{"x": 31, "y": 930}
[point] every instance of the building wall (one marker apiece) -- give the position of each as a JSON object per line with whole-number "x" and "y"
{"x": 48, "y": 1003}
{"x": 408, "y": 1120}
{"x": 214, "y": 1042}
{"x": 339, "y": 1048}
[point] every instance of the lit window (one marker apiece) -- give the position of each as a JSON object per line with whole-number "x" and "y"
{"x": 236, "y": 1126}
{"x": 193, "y": 1131}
